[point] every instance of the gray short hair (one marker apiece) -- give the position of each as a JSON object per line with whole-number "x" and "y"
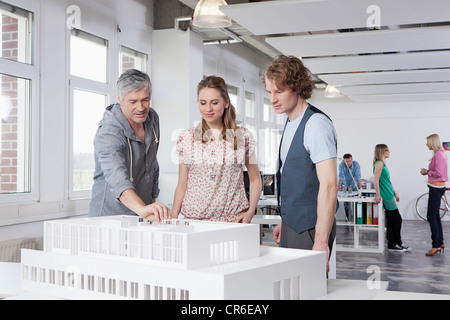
{"x": 133, "y": 80}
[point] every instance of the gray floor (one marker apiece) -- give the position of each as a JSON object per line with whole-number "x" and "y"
{"x": 405, "y": 271}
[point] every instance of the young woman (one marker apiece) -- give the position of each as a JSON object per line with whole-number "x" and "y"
{"x": 437, "y": 177}
{"x": 211, "y": 162}
{"x": 385, "y": 190}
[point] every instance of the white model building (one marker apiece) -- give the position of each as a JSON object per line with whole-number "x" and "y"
{"x": 122, "y": 257}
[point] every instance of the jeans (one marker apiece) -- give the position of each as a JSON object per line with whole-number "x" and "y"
{"x": 433, "y": 216}
{"x": 347, "y": 208}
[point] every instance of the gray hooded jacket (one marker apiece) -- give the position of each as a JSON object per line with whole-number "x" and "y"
{"x": 123, "y": 161}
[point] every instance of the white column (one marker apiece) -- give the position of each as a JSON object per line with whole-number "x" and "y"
{"x": 177, "y": 68}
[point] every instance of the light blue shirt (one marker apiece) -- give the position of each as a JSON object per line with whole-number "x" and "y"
{"x": 345, "y": 175}
{"x": 320, "y": 138}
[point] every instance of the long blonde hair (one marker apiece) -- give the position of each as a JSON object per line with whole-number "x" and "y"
{"x": 435, "y": 143}
{"x": 378, "y": 154}
{"x": 202, "y": 132}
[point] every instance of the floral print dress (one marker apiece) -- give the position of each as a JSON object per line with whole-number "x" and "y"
{"x": 215, "y": 188}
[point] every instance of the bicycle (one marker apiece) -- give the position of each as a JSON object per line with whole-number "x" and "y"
{"x": 422, "y": 205}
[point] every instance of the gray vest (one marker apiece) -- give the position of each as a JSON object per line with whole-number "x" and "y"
{"x": 298, "y": 186}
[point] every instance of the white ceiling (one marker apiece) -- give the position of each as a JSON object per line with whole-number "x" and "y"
{"x": 406, "y": 57}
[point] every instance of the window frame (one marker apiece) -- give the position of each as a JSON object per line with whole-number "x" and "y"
{"x": 276, "y": 131}
{"x": 77, "y": 84}
{"x": 88, "y": 36}
{"x": 236, "y": 104}
{"x": 118, "y": 35}
{"x": 252, "y": 121}
{"x": 121, "y": 51}
{"x": 29, "y": 71}
{"x": 85, "y": 84}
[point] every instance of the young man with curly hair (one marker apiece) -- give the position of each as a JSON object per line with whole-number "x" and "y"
{"x": 307, "y": 174}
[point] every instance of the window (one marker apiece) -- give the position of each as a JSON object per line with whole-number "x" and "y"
{"x": 15, "y": 135}
{"x": 87, "y": 112}
{"x": 96, "y": 62}
{"x": 90, "y": 92}
{"x": 47, "y": 131}
{"x": 16, "y": 87}
{"x": 88, "y": 56}
{"x": 269, "y": 112}
{"x": 250, "y": 117}
{"x": 233, "y": 94}
{"x": 250, "y": 105}
{"x": 273, "y": 126}
{"x": 252, "y": 129}
{"x": 16, "y": 26}
{"x": 132, "y": 59}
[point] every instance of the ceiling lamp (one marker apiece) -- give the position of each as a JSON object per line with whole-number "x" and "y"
{"x": 208, "y": 15}
{"x": 332, "y": 92}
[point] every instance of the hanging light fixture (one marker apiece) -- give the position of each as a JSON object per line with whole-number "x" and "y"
{"x": 208, "y": 15}
{"x": 332, "y": 92}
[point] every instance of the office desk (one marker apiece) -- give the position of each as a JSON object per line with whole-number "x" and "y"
{"x": 267, "y": 205}
{"x": 268, "y": 201}
{"x": 266, "y": 216}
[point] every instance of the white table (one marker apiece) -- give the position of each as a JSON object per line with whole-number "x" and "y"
{"x": 268, "y": 201}
{"x": 9, "y": 279}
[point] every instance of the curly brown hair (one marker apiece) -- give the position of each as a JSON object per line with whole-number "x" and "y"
{"x": 290, "y": 72}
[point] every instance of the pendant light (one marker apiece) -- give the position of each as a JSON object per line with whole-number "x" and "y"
{"x": 332, "y": 92}
{"x": 208, "y": 15}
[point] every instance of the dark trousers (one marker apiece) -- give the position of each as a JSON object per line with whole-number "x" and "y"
{"x": 433, "y": 216}
{"x": 305, "y": 240}
{"x": 393, "y": 227}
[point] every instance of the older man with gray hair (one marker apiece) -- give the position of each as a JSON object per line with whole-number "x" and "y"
{"x": 126, "y": 174}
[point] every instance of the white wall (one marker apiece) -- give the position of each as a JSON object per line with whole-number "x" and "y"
{"x": 177, "y": 68}
{"x": 402, "y": 126}
{"x": 235, "y": 63}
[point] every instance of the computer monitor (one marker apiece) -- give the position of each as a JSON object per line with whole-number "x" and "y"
{"x": 247, "y": 182}
{"x": 268, "y": 181}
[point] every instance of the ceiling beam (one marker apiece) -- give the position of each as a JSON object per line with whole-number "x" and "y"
{"x": 402, "y": 88}
{"x": 378, "y": 62}
{"x": 317, "y": 15}
{"x": 413, "y": 76}
{"x": 400, "y": 97}
{"x": 376, "y": 41}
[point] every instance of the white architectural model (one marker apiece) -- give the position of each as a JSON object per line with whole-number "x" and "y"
{"x": 121, "y": 257}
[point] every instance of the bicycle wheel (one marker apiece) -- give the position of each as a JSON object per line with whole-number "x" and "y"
{"x": 422, "y": 206}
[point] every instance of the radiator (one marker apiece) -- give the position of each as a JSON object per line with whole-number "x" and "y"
{"x": 10, "y": 249}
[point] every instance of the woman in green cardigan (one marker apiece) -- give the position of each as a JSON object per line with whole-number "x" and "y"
{"x": 385, "y": 190}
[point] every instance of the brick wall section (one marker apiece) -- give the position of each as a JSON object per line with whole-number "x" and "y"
{"x": 127, "y": 63}
{"x": 8, "y": 152}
